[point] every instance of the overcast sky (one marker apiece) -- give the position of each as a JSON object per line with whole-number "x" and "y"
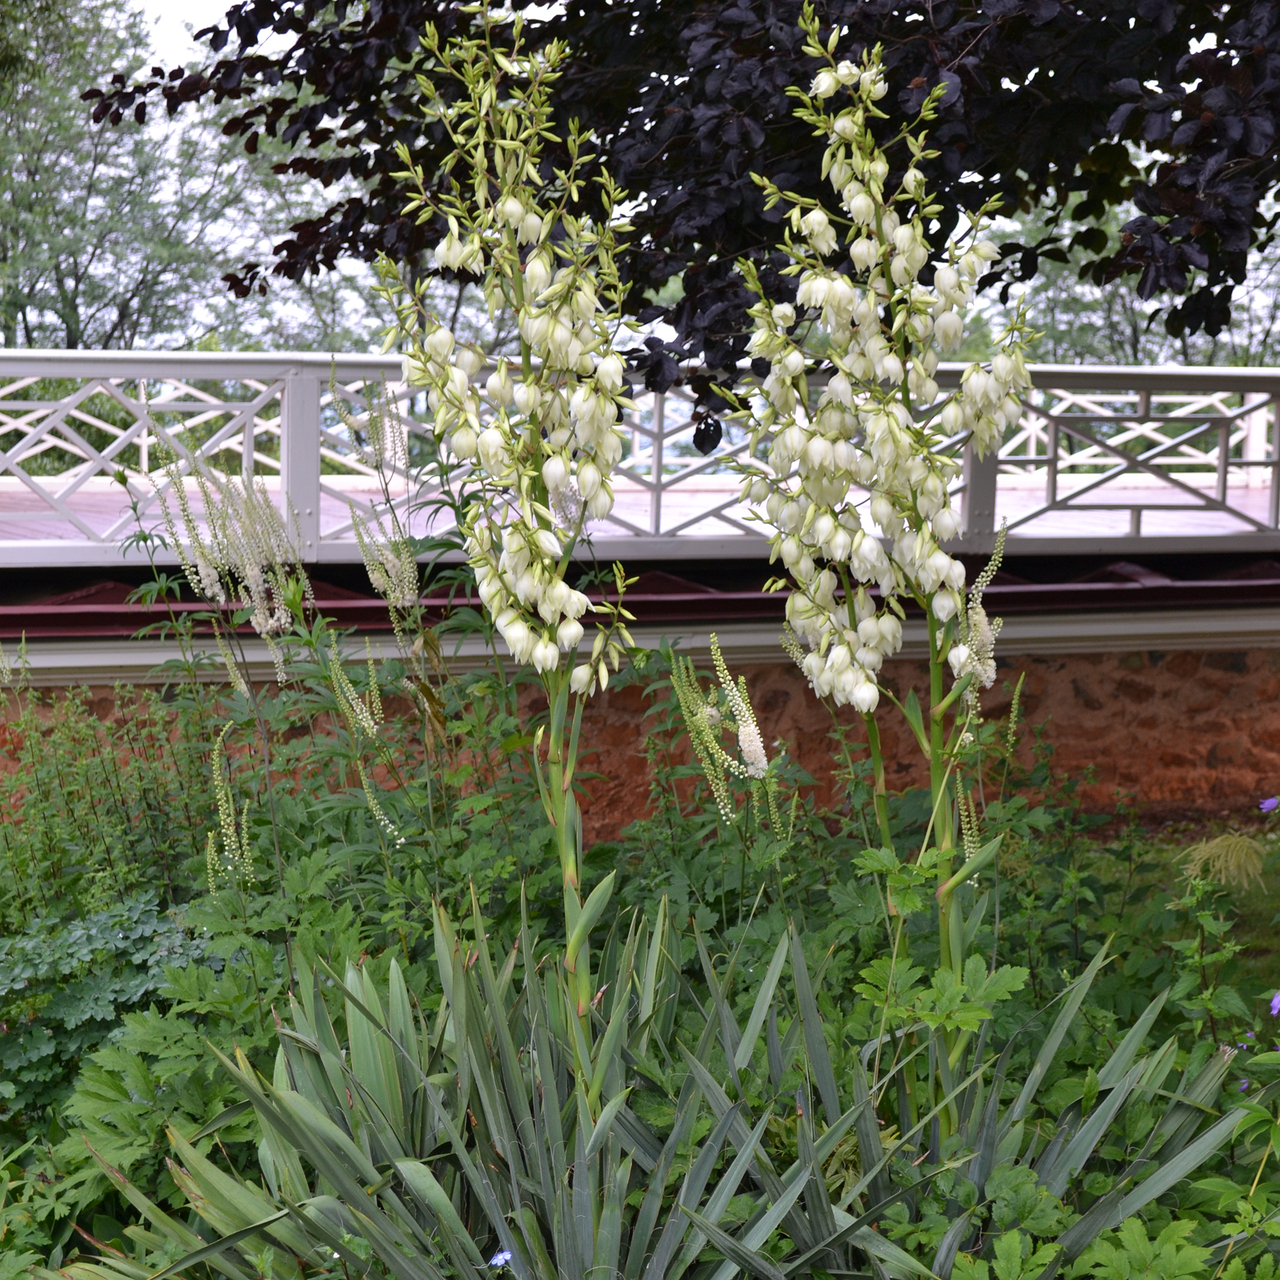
{"x": 172, "y": 21}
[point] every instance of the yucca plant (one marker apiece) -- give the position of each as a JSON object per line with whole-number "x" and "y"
{"x": 491, "y": 1133}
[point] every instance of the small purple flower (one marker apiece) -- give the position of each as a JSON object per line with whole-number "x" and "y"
{"x": 1244, "y": 1084}
{"x": 500, "y": 1259}
{"x": 1275, "y": 1005}
{"x": 1270, "y": 804}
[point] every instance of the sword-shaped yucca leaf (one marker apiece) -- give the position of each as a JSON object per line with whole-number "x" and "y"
{"x": 112, "y": 1269}
{"x": 650, "y": 1207}
{"x": 1193, "y": 1102}
{"x": 608, "y": 1245}
{"x": 763, "y": 1004}
{"x": 234, "y": 1201}
{"x": 737, "y": 1254}
{"x": 285, "y": 1177}
{"x": 1073, "y": 999}
{"x": 1119, "y": 1204}
{"x": 725, "y": 1190}
{"x": 422, "y": 1183}
{"x": 211, "y": 1251}
{"x": 372, "y": 1060}
{"x": 604, "y": 1126}
{"x": 817, "y": 1202}
{"x": 730, "y": 1036}
{"x": 870, "y": 1151}
{"x": 1117, "y": 1066}
{"x": 1057, "y": 1174}
{"x": 694, "y": 1184}
{"x": 175, "y": 1232}
{"x": 945, "y": 1259}
{"x": 815, "y": 1038}
{"x": 653, "y": 965}
{"x": 592, "y": 910}
{"x": 757, "y": 1233}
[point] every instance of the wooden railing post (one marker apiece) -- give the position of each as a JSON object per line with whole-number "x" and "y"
{"x": 300, "y": 459}
{"x": 980, "y": 495}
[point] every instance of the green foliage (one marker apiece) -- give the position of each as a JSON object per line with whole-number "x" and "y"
{"x": 658, "y": 1133}
{"x": 64, "y": 985}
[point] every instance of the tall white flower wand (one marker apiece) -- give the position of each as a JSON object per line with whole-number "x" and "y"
{"x": 542, "y": 438}
{"x": 856, "y": 442}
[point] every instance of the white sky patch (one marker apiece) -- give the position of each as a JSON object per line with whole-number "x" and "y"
{"x": 172, "y": 24}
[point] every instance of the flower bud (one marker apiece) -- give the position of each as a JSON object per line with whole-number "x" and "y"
{"x": 863, "y": 252}
{"x": 588, "y": 480}
{"x": 946, "y": 524}
{"x": 949, "y": 329}
{"x": 862, "y": 209}
{"x": 555, "y": 473}
{"x": 469, "y": 360}
{"x": 580, "y": 680}
{"x": 527, "y": 397}
{"x": 530, "y": 230}
{"x": 537, "y": 275}
{"x": 439, "y": 343}
{"x": 568, "y": 634}
{"x": 873, "y": 86}
{"x": 548, "y": 544}
{"x": 546, "y": 657}
{"x": 846, "y": 127}
{"x": 824, "y": 83}
{"x": 945, "y": 606}
{"x": 609, "y": 372}
{"x": 792, "y": 364}
{"x": 817, "y": 228}
{"x": 510, "y": 210}
{"x": 499, "y": 387}
{"x": 866, "y": 697}
{"x": 516, "y": 636}
{"x": 463, "y": 443}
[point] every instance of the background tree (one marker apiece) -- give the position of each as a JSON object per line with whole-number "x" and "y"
{"x": 690, "y": 101}
{"x": 1080, "y": 320}
{"x": 116, "y": 236}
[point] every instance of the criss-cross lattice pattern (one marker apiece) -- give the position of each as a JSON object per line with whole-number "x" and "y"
{"x": 1158, "y": 452}
{"x": 87, "y": 440}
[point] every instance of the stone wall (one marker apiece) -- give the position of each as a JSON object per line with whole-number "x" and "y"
{"x": 1176, "y": 732}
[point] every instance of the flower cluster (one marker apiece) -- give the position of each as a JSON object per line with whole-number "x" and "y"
{"x": 862, "y": 455}
{"x": 707, "y": 717}
{"x": 244, "y": 555}
{"x": 974, "y": 652}
{"x": 232, "y": 866}
{"x": 542, "y": 435}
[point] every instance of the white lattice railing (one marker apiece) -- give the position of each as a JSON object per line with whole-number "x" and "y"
{"x": 1103, "y": 457}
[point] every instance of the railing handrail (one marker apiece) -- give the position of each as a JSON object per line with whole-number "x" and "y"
{"x": 50, "y": 361}
{"x": 1201, "y": 441}
{"x": 53, "y": 362}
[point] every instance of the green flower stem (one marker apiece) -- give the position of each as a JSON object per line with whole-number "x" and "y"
{"x": 881, "y": 795}
{"x": 561, "y": 807}
{"x": 950, "y": 927}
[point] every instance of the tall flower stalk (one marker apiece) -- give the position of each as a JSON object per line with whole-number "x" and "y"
{"x": 540, "y": 435}
{"x": 858, "y": 443}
